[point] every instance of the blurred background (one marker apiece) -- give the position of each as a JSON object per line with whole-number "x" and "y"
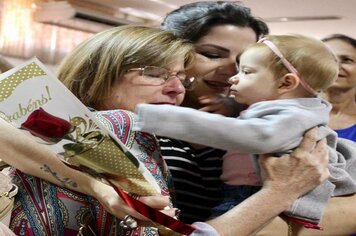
{"x": 49, "y": 29}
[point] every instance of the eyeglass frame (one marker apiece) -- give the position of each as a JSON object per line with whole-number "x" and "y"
{"x": 167, "y": 76}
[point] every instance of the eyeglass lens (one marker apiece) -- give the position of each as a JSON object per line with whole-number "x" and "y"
{"x": 162, "y": 73}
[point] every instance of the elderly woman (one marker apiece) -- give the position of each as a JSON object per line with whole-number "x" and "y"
{"x": 114, "y": 69}
{"x": 117, "y": 69}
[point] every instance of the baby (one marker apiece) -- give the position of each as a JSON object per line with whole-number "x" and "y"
{"x": 279, "y": 78}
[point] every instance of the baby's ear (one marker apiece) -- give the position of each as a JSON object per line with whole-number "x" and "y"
{"x": 288, "y": 83}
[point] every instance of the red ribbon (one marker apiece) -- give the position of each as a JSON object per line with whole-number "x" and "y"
{"x": 153, "y": 214}
{"x": 305, "y": 223}
{"x": 147, "y": 211}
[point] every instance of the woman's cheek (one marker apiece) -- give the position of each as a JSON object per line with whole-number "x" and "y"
{"x": 203, "y": 66}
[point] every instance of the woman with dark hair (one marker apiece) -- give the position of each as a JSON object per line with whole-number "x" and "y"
{"x": 193, "y": 21}
{"x": 219, "y": 31}
{"x": 342, "y": 93}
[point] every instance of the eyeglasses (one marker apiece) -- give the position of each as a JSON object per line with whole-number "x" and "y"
{"x": 160, "y": 75}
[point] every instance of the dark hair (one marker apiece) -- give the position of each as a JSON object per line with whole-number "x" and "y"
{"x": 193, "y": 21}
{"x": 342, "y": 37}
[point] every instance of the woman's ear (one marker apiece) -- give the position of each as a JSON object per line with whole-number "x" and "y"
{"x": 288, "y": 83}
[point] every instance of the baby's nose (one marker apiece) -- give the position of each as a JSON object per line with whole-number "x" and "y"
{"x": 234, "y": 80}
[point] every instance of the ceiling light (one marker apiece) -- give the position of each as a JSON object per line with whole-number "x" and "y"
{"x": 138, "y": 13}
{"x": 301, "y": 18}
{"x": 165, "y": 4}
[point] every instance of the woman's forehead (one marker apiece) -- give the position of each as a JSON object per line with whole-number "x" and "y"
{"x": 341, "y": 47}
{"x": 230, "y": 37}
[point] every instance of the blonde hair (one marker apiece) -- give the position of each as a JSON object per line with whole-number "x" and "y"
{"x": 4, "y": 65}
{"x": 314, "y": 61}
{"x": 95, "y": 65}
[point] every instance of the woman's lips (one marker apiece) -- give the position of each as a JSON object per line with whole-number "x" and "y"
{"x": 217, "y": 85}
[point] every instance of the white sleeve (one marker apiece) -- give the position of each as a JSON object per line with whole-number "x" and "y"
{"x": 203, "y": 229}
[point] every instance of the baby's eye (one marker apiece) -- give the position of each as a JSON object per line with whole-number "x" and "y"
{"x": 246, "y": 72}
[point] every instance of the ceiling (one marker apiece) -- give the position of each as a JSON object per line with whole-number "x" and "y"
{"x": 269, "y": 10}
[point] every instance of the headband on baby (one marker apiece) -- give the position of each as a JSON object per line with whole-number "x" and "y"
{"x": 287, "y": 64}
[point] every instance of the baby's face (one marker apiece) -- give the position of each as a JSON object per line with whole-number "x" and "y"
{"x": 255, "y": 82}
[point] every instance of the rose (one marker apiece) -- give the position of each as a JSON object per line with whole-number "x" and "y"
{"x": 46, "y": 126}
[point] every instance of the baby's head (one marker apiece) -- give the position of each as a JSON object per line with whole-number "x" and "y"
{"x": 300, "y": 66}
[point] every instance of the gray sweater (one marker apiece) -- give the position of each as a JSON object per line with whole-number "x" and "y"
{"x": 265, "y": 127}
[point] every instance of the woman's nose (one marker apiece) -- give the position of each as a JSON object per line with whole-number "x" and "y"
{"x": 341, "y": 66}
{"x": 174, "y": 85}
{"x": 228, "y": 67}
{"x": 231, "y": 68}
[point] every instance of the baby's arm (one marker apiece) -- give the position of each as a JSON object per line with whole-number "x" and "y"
{"x": 266, "y": 134}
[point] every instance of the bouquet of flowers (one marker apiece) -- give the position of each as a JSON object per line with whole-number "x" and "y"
{"x": 33, "y": 99}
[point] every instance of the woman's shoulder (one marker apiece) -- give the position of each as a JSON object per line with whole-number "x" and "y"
{"x": 116, "y": 117}
{"x": 118, "y": 121}
{"x": 118, "y": 113}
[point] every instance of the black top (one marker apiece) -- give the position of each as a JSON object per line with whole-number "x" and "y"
{"x": 196, "y": 179}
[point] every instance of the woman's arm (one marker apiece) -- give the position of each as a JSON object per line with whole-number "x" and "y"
{"x": 20, "y": 151}
{"x": 338, "y": 219}
{"x": 286, "y": 178}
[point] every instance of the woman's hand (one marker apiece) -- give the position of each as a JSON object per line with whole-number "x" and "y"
{"x": 298, "y": 172}
{"x": 286, "y": 178}
{"x": 221, "y": 105}
{"x": 112, "y": 202}
{"x": 24, "y": 153}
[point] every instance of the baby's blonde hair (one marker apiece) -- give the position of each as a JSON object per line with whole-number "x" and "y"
{"x": 314, "y": 61}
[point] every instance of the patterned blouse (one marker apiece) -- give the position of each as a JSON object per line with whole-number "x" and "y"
{"x": 42, "y": 208}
